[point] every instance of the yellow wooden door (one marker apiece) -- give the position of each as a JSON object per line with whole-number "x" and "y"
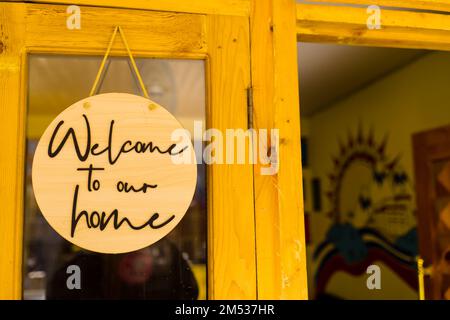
{"x": 221, "y": 41}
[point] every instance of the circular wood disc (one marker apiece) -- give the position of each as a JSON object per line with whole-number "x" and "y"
{"x": 109, "y": 176}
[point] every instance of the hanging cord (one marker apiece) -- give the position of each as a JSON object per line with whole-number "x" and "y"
{"x": 133, "y": 63}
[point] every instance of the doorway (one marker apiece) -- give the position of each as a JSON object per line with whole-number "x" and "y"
{"x": 361, "y": 108}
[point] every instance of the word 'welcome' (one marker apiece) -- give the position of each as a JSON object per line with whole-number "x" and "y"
{"x": 92, "y": 149}
{"x": 99, "y": 219}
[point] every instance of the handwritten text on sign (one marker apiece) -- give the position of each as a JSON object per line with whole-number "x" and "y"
{"x": 104, "y": 175}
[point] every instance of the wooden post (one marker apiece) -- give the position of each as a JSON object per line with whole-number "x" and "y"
{"x": 12, "y": 142}
{"x": 280, "y": 235}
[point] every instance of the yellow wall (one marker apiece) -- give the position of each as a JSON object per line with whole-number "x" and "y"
{"x": 412, "y": 99}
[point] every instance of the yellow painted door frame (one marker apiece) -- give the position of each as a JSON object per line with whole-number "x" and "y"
{"x": 264, "y": 255}
{"x": 414, "y": 29}
{"x": 272, "y": 243}
{"x": 222, "y": 41}
{"x": 280, "y": 231}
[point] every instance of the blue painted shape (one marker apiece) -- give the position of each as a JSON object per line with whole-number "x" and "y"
{"x": 348, "y": 241}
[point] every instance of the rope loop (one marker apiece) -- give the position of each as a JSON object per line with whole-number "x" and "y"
{"x": 105, "y": 57}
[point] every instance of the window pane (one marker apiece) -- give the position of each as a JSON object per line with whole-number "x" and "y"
{"x": 172, "y": 268}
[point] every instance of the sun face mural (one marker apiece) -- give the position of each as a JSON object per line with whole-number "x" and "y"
{"x": 372, "y": 212}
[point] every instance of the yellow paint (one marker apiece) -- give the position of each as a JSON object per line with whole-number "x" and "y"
{"x": 222, "y": 40}
{"x": 231, "y": 232}
{"x": 216, "y": 7}
{"x": 347, "y": 25}
{"x": 437, "y": 5}
{"x": 280, "y": 238}
{"x": 12, "y": 142}
{"x": 199, "y": 271}
{"x": 183, "y": 33}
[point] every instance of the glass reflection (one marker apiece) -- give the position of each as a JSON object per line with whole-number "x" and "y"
{"x": 174, "y": 267}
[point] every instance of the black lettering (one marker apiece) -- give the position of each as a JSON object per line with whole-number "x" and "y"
{"x": 75, "y": 218}
{"x": 127, "y": 146}
{"x": 70, "y": 132}
{"x": 94, "y": 220}
{"x": 95, "y": 184}
{"x": 125, "y": 187}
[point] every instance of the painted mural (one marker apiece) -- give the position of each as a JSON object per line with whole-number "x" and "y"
{"x": 372, "y": 209}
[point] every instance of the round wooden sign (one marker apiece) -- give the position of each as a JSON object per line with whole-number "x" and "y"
{"x": 114, "y": 173}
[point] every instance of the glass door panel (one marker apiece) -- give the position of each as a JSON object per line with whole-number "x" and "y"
{"x": 172, "y": 268}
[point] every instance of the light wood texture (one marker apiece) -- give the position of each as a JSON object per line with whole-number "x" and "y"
{"x": 436, "y": 5}
{"x": 145, "y": 31}
{"x": 12, "y": 144}
{"x": 280, "y": 236}
{"x": 232, "y": 233}
{"x": 400, "y": 29}
{"x": 222, "y": 40}
{"x": 163, "y": 182}
{"x": 217, "y": 7}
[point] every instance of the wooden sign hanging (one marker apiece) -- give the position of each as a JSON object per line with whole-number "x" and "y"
{"x": 109, "y": 176}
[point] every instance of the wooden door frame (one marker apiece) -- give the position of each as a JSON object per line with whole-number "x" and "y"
{"x": 279, "y": 252}
{"x": 222, "y": 41}
{"x": 399, "y": 28}
{"x": 428, "y": 147}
